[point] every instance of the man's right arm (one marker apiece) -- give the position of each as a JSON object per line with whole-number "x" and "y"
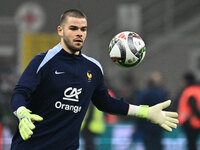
{"x": 27, "y": 84}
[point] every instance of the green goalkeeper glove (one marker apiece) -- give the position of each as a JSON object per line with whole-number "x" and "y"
{"x": 26, "y": 122}
{"x": 155, "y": 114}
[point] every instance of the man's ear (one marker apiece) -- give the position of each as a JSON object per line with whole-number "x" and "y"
{"x": 60, "y": 31}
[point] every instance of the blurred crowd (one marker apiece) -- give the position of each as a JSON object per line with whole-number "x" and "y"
{"x": 8, "y": 122}
{"x": 153, "y": 92}
{"x": 151, "y": 136}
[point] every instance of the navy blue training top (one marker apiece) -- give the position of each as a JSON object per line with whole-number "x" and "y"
{"x": 59, "y": 86}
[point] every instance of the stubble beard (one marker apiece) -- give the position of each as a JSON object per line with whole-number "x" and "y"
{"x": 72, "y": 48}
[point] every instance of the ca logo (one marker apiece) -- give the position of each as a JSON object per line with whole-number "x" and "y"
{"x": 71, "y": 94}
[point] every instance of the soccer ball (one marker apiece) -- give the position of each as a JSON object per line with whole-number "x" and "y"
{"x": 127, "y": 49}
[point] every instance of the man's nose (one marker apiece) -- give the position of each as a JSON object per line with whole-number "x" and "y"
{"x": 79, "y": 33}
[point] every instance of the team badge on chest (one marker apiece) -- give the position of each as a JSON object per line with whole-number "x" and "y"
{"x": 89, "y": 76}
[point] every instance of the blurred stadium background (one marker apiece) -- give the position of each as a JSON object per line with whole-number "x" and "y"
{"x": 170, "y": 29}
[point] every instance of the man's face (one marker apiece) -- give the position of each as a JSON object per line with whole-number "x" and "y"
{"x": 73, "y": 33}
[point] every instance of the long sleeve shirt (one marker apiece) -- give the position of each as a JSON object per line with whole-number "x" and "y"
{"x": 59, "y": 86}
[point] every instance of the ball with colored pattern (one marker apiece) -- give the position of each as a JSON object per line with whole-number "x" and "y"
{"x": 127, "y": 49}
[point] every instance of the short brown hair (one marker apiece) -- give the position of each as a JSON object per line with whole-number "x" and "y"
{"x": 72, "y": 13}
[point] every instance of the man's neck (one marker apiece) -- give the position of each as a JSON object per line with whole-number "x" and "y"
{"x": 68, "y": 50}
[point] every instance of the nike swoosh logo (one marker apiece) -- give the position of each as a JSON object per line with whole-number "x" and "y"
{"x": 56, "y": 72}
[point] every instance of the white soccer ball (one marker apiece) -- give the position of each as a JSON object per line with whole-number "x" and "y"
{"x": 127, "y": 49}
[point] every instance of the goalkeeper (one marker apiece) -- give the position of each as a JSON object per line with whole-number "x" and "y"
{"x": 53, "y": 93}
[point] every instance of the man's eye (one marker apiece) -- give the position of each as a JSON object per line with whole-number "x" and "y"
{"x": 73, "y": 28}
{"x": 83, "y": 29}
